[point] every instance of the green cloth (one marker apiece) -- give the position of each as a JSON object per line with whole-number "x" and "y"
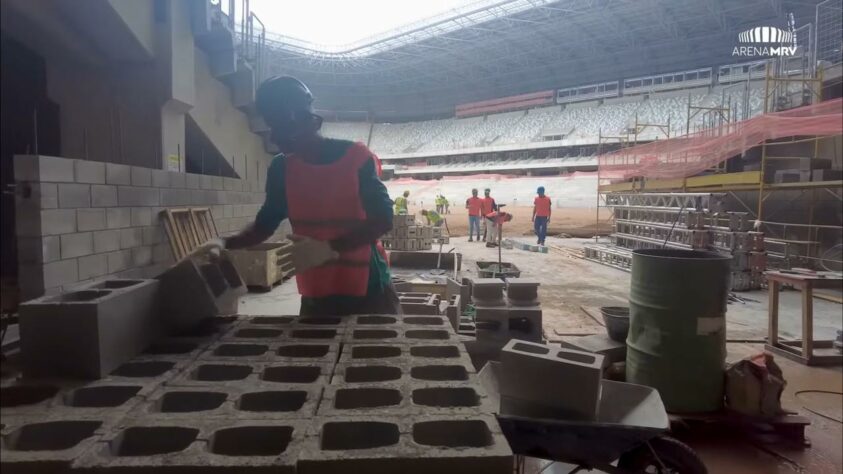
{"x": 373, "y": 194}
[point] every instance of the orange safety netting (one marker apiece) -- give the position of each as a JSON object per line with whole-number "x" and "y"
{"x": 691, "y": 154}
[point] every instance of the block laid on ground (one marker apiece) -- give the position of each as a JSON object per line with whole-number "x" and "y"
{"x": 440, "y": 398}
{"x": 454, "y": 287}
{"x": 487, "y": 292}
{"x": 375, "y": 373}
{"x": 237, "y": 374}
{"x": 452, "y": 310}
{"x": 266, "y": 351}
{"x": 403, "y": 333}
{"x": 249, "y": 401}
{"x": 422, "y": 353}
{"x": 541, "y": 377}
{"x": 151, "y": 371}
{"x": 194, "y": 289}
{"x": 613, "y": 351}
{"x": 200, "y": 446}
{"x": 88, "y": 332}
{"x": 47, "y": 443}
{"x": 522, "y": 291}
{"x": 415, "y": 445}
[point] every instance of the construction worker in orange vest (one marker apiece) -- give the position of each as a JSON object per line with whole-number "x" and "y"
{"x": 337, "y": 206}
{"x": 495, "y": 221}
{"x": 475, "y": 212}
{"x": 489, "y": 205}
{"x": 541, "y": 214}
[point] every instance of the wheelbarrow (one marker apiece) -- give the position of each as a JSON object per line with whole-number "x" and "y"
{"x": 630, "y": 429}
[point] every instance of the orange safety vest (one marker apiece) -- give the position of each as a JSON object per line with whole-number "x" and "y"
{"x": 475, "y": 205}
{"x": 324, "y": 203}
{"x": 542, "y": 204}
{"x": 488, "y": 204}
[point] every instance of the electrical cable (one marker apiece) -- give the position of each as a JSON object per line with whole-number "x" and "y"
{"x": 815, "y": 411}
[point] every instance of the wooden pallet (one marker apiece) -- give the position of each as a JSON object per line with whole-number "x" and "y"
{"x": 187, "y": 229}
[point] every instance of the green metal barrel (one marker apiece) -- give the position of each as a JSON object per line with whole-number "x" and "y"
{"x": 677, "y": 333}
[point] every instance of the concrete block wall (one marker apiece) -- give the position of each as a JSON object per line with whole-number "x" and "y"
{"x": 79, "y": 221}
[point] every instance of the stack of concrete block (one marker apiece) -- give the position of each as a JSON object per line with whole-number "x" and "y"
{"x": 499, "y": 319}
{"x": 89, "y": 332}
{"x": 541, "y": 381}
{"x": 407, "y": 235}
{"x": 197, "y": 288}
{"x": 511, "y": 243}
{"x": 419, "y": 303}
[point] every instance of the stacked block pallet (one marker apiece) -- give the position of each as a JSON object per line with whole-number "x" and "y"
{"x": 407, "y": 235}
{"x": 267, "y": 394}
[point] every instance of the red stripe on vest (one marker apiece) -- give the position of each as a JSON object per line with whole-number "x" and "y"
{"x": 323, "y": 202}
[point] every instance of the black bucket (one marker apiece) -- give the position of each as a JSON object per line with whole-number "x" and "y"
{"x": 617, "y": 321}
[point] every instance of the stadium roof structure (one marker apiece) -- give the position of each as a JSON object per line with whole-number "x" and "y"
{"x": 496, "y": 48}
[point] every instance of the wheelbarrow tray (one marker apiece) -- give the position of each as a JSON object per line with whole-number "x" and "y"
{"x": 490, "y": 270}
{"x": 628, "y": 415}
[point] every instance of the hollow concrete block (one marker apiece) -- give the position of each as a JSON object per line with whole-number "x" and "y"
{"x": 522, "y": 291}
{"x": 414, "y": 445}
{"x": 228, "y": 446}
{"x": 487, "y": 292}
{"x": 88, "y": 332}
{"x": 561, "y": 383}
{"x": 194, "y": 289}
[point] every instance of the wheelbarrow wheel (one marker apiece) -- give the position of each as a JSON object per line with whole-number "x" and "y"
{"x": 664, "y": 455}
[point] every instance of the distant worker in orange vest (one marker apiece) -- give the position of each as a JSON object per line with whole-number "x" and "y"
{"x": 489, "y": 205}
{"x": 475, "y": 210}
{"x": 541, "y": 214}
{"x": 337, "y": 206}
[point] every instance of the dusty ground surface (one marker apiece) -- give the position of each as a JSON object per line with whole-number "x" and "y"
{"x": 570, "y": 283}
{"x": 576, "y": 222}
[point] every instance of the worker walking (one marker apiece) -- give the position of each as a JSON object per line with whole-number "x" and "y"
{"x": 494, "y": 221}
{"x": 445, "y": 205}
{"x": 541, "y": 214}
{"x": 433, "y": 218}
{"x": 401, "y": 203}
{"x": 338, "y": 208}
{"x": 439, "y": 204}
{"x": 475, "y": 210}
{"x": 488, "y": 205}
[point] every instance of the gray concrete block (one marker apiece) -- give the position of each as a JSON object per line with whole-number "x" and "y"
{"x": 240, "y": 374}
{"x": 118, "y": 174}
{"x": 91, "y": 172}
{"x": 88, "y": 333}
{"x": 412, "y": 445}
{"x": 191, "y": 181}
{"x": 612, "y": 351}
{"x": 47, "y": 443}
{"x": 176, "y": 179}
{"x": 137, "y": 196}
{"x": 77, "y": 245}
{"x": 103, "y": 195}
{"x": 541, "y": 375}
{"x": 58, "y": 221}
{"x": 154, "y": 234}
{"x": 55, "y": 169}
{"x": 264, "y": 401}
{"x": 118, "y": 217}
{"x": 46, "y": 195}
{"x": 273, "y": 351}
{"x": 141, "y": 216}
{"x": 106, "y": 241}
{"x": 522, "y": 291}
{"x": 93, "y": 266}
{"x": 162, "y": 253}
{"x": 140, "y": 176}
{"x": 193, "y": 290}
{"x": 160, "y": 178}
{"x": 142, "y": 256}
{"x": 90, "y": 219}
{"x": 119, "y": 260}
{"x": 131, "y": 237}
{"x": 487, "y": 291}
{"x": 225, "y": 446}
{"x": 60, "y": 273}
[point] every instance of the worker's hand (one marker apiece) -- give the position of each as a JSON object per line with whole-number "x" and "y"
{"x": 307, "y": 253}
{"x": 533, "y": 219}
{"x": 212, "y": 247}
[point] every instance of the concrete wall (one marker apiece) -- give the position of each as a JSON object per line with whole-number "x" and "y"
{"x": 225, "y": 125}
{"x": 139, "y": 19}
{"x": 79, "y": 221}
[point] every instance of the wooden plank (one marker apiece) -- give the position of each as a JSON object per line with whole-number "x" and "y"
{"x": 773, "y": 312}
{"x": 177, "y": 243}
{"x": 725, "y": 179}
{"x": 828, "y": 297}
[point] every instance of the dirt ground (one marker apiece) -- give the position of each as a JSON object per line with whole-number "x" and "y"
{"x": 576, "y": 222}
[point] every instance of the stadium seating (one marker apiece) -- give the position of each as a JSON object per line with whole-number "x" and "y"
{"x": 581, "y": 121}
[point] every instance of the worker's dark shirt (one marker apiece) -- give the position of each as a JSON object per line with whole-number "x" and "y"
{"x": 373, "y": 195}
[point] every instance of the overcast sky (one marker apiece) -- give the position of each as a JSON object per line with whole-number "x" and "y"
{"x": 340, "y": 22}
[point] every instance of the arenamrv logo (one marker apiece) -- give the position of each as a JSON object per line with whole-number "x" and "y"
{"x": 766, "y": 41}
